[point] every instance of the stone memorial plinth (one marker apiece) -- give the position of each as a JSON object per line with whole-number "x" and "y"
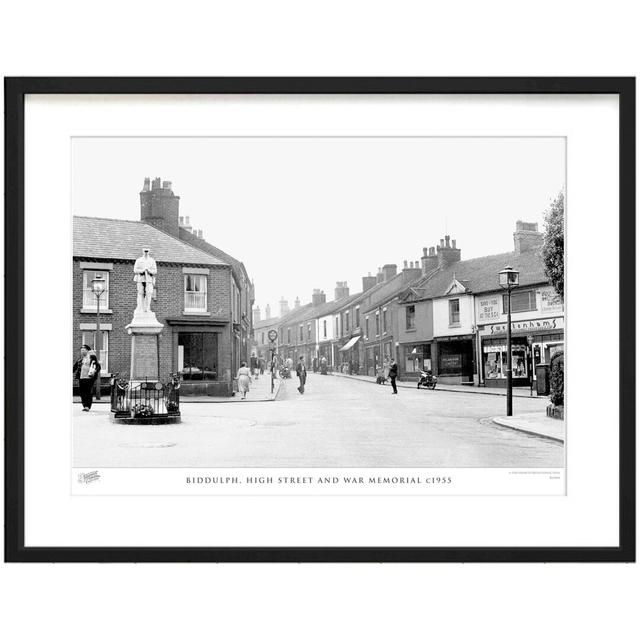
{"x": 144, "y": 330}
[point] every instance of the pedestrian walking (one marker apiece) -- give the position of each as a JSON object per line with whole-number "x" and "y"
{"x": 323, "y": 366}
{"x": 261, "y": 365}
{"x": 86, "y": 369}
{"x": 393, "y": 374}
{"x": 244, "y": 380}
{"x": 301, "y": 372}
{"x": 254, "y": 365}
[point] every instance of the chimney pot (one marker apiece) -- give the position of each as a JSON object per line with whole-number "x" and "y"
{"x": 453, "y": 244}
{"x": 446, "y": 240}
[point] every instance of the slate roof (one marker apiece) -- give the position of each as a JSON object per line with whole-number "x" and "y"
{"x": 111, "y": 239}
{"x": 480, "y": 275}
{"x": 383, "y": 292}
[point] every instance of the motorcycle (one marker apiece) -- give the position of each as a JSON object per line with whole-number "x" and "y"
{"x": 284, "y": 372}
{"x": 427, "y": 380}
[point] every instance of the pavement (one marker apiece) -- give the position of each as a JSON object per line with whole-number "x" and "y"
{"x": 260, "y": 391}
{"x": 522, "y": 392}
{"x": 338, "y": 422}
{"x": 538, "y": 424}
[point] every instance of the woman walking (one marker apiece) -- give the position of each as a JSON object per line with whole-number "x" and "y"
{"x": 244, "y": 379}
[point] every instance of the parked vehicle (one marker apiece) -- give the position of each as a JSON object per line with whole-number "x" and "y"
{"x": 427, "y": 379}
{"x": 285, "y": 372}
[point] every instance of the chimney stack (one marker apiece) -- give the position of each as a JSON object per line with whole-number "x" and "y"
{"x": 388, "y": 271}
{"x": 447, "y": 254}
{"x": 429, "y": 259}
{"x": 411, "y": 271}
{"x": 318, "y": 297}
{"x": 526, "y": 237}
{"x": 296, "y": 303}
{"x": 159, "y": 206}
{"x": 267, "y": 312}
{"x": 341, "y": 290}
{"x": 147, "y": 184}
{"x": 368, "y": 281}
{"x": 256, "y": 314}
{"x": 284, "y": 307}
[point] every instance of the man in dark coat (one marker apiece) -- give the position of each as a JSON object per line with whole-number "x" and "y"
{"x": 301, "y": 372}
{"x": 393, "y": 374}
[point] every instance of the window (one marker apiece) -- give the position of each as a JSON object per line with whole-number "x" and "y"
{"x": 520, "y": 301}
{"x": 337, "y": 327}
{"x": 377, "y": 324}
{"x": 309, "y": 332}
{"x": 195, "y": 292}
{"x": 324, "y": 328}
{"x": 198, "y": 356}
{"x": 454, "y": 312}
{"x": 263, "y": 337}
{"x": 89, "y": 337}
{"x": 410, "y": 313}
{"x": 346, "y": 321}
{"x": 301, "y": 334}
{"x": 357, "y": 321}
{"x": 366, "y": 326}
{"x": 384, "y": 320}
{"x": 89, "y": 300}
{"x": 288, "y": 335}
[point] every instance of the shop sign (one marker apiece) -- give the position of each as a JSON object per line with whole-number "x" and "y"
{"x": 489, "y": 309}
{"x": 546, "y": 324}
{"x": 550, "y": 301}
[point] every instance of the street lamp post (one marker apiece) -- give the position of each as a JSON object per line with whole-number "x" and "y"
{"x": 98, "y": 287}
{"x": 509, "y": 278}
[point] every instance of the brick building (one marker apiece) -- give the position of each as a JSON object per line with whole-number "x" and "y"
{"x": 203, "y": 296}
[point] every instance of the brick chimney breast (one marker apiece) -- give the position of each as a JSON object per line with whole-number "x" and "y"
{"x": 447, "y": 254}
{"x": 368, "y": 282}
{"x": 527, "y": 237}
{"x": 159, "y": 207}
{"x": 388, "y": 271}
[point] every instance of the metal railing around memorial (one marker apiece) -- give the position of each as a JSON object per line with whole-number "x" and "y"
{"x": 144, "y": 399}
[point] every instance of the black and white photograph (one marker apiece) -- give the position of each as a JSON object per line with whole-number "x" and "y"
{"x": 377, "y": 303}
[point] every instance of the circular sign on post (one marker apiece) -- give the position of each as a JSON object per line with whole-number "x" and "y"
{"x": 273, "y": 335}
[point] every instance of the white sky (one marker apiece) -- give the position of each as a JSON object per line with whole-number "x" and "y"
{"x": 303, "y": 213}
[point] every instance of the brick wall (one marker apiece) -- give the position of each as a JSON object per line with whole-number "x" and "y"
{"x": 169, "y": 304}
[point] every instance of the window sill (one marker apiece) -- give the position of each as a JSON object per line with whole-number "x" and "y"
{"x": 412, "y": 330}
{"x": 455, "y": 325}
{"x": 195, "y": 312}
{"x": 95, "y": 311}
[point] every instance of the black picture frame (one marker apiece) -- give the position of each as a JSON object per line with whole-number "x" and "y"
{"x": 15, "y": 91}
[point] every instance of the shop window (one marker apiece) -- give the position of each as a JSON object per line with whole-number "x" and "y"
{"x": 454, "y": 312}
{"x": 89, "y": 338}
{"x": 520, "y": 301}
{"x": 89, "y": 299}
{"x": 198, "y": 356}
{"x": 195, "y": 292}
{"x": 410, "y": 313}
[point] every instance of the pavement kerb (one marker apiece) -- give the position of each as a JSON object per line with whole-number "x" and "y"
{"x": 502, "y": 422}
{"x": 476, "y": 390}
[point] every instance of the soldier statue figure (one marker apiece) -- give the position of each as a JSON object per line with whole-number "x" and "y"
{"x": 145, "y": 271}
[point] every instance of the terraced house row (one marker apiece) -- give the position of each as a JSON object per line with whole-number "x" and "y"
{"x": 441, "y": 313}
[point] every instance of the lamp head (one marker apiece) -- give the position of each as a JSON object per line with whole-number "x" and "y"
{"x": 509, "y": 277}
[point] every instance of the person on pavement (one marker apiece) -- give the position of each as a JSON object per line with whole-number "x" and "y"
{"x": 393, "y": 374}
{"x": 244, "y": 379}
{"x": 301, "y": 372}
{"x": 85, "y": 370}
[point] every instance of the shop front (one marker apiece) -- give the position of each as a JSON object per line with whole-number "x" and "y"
{"x": 349, "y": 355}
{"x": 454, "y": 358}
{"x": 533, "y": 342}
{"x": 415, "y": 357}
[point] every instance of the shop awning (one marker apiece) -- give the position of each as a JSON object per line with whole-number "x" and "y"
{"x": 350, "y": 344}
